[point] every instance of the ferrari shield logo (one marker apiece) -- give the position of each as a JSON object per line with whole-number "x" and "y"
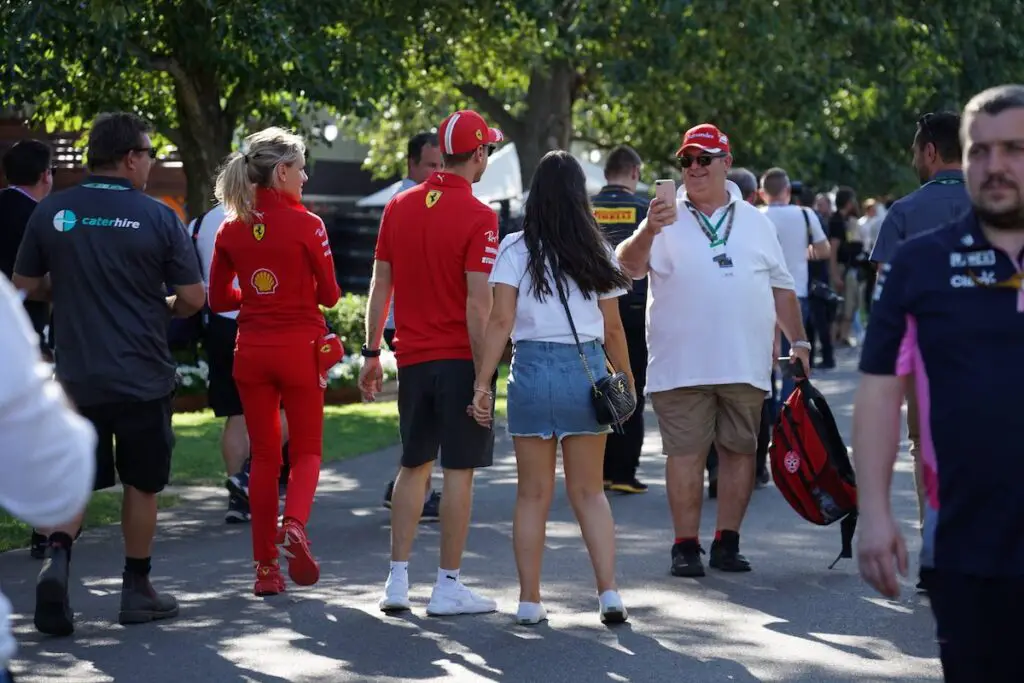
{"x": 432, "y": 198}
{"x": 258, "y": 231}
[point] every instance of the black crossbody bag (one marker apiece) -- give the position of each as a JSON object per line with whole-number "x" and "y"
{"x": 613, "y": 402}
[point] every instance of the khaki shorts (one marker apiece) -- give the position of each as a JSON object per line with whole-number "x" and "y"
{"x": 852, "y": 293}
{"x": 692, "y": 418}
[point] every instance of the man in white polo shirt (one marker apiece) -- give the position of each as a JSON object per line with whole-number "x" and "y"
{"x": 718, "y": 283}
{"x": 802, "y": 239}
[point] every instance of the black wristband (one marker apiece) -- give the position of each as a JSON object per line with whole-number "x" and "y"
{"x": 369, "y": 353}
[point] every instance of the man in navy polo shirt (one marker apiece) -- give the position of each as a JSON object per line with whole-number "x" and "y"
{"x": 941, "y": 198}
{"x": 950, "y": 310}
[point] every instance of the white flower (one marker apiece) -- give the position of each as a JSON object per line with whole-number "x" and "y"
{"x": 187, "y": 381}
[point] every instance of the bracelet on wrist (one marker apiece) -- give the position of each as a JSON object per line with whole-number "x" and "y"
{"x": 801, "y": 344}
{"x": 485, "y": 392}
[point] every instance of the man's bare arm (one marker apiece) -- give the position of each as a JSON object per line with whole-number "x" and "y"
{"x": 35, "y": 288}
{"x": 789, "y": 314}
{"x": 634, "y": 252}
{"x": 876, "y": 439}
{"x": 479, "y": 300}
{"x": 821, "y": 250}
{"x": 377, "y": 303}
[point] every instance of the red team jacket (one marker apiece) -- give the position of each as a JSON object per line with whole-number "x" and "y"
{"x": 285, "y": 270}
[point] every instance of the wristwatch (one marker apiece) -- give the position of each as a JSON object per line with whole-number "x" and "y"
{"x": 801, "y": 344}
{"x": 369, "y": 353}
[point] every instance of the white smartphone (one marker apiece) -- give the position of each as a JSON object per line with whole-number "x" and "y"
{"x": 665, "y": 190}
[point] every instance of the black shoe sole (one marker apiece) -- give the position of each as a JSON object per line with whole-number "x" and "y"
{"x": 143, "y": 616}
{"x": 731, "y": 568}
{"x": 53, "y": 614}
{"x": 233, "y": 519}
{"x": 688, "y": 572}
{"x": 615, "y": 616}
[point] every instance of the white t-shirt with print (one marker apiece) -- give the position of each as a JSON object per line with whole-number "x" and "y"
{"x": 708, "y": 325}
{"x": 546, "y": 320}
{"x": 205, "y": 240}
{"x": 792, "y": 229}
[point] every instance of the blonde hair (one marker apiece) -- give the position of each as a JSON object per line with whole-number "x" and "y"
{"x": 253, "y": 166}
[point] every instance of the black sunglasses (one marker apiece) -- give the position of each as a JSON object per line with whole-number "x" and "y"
{"x": 491, "y": 149}
{"x": 150, "y": 150}
{"x": 704, "y": 160}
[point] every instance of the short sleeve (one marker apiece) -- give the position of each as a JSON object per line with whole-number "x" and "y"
{"x": 817, "y": 231}
{"x": 181, "y": 263}
{"x": 887, "y": 326}
{"x": 509, "y": 263}
{"x": 483, "y": 243}
{"x": 383, "y": 250}
{"x": 32, "y": 259}
{"x": 837, "y": 228}
{"x": 890, "y": 235}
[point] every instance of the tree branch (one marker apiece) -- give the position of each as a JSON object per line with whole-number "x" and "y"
{"x": 600, "y": 144}
{"x": 493, "y": 107}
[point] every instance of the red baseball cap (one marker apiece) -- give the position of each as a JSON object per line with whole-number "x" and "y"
{"x": 707, "y": 138}
{"x": 464, "y": 131}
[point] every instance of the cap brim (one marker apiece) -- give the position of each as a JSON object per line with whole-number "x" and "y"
{"x": 703, "y": 148}
{"x": 494, "y": 136}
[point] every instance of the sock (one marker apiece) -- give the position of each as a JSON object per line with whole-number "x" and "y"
{"x": 400, "y": 568}
{"x": 447, "y": 577}
{"x": 695, "y": 540}
{"x": 728, "y": 537}
{"x": 137, "y": 566}
{"x": 61, "y": 540}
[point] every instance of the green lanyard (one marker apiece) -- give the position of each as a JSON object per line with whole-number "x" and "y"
{"x": 944, "y": 181}
{"x": 711, "y": 231}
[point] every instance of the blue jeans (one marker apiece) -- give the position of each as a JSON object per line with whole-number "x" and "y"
{"x": 788, "y": 383}
{"x": 549, "y": 393}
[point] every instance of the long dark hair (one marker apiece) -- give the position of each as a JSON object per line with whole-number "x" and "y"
{"x": 561, "y": 234}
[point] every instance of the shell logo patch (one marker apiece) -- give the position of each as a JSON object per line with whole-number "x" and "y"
{"x": 264, "y": 281}
{"x": 479, "y": 134}
{"x": 432, "y": 198}
{"x": 259, "y": 230}
{"x": 791, "y": 462}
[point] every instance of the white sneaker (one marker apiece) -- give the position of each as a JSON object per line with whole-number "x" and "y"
{"x": 611, "y": 608}
{"x": 531, "y": 613}
{"x": 456, "y": 598}
{"x": 396, "y": 595}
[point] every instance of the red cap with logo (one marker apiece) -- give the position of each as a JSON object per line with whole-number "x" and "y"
{"x": 707, "y": 138}
{"x": 464, "y": 131}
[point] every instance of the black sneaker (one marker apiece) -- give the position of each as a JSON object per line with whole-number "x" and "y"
{"x": 431, "y": 508}
{"x": 727, "y": 559}
{"x": 388, "y": 493}
{"x": 238, "y": 510}
{"x": 141, "y": 604}
{"x": 686, "y": 560}
{"x": 924, "y": 578}
{"x": 238, "y": 485}
{"x": 713, "y": 486}
{"x": 632, "y": 486}
{"x": 763, "y": 477}
{"x": 53, "y": 615}
{"x": 37, "y": 546}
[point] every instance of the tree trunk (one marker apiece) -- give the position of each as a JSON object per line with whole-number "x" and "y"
{"x": 204, "y": 136}
{"x": 547, "y": 122}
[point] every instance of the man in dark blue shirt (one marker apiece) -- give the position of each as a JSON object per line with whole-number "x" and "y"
{"x": 106, "y": 254}
{"x": 619, "y": 211}
{"x": 949, "y": 311}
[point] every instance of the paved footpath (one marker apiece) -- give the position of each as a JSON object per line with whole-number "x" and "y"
{"x": 791, "y": 619}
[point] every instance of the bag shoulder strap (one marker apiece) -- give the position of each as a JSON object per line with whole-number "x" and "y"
{"x": 807, "y": 222}
{"x": 572, "y": 326}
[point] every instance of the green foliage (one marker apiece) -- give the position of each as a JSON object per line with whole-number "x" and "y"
{"x": 348, "y": 318}
{"x": 202, "y": 71}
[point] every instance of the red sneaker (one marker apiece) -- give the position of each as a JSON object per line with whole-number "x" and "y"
{"x": 268, "y": 579}
{"x": 302, "y": 568}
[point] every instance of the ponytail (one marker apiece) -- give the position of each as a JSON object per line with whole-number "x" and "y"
{"x": 244, "y": 171}
{"x": 234, "y": 189}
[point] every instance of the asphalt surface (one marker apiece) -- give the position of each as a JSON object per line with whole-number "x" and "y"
{"x": 791, "y": 619}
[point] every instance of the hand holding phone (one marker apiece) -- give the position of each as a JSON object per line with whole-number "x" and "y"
{"x": 662, "y": 211}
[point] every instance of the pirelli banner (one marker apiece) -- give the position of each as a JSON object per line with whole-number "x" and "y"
{"x": 609, "y": 216}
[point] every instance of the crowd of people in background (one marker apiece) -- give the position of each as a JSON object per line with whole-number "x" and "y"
{"x": 688, "y": 299}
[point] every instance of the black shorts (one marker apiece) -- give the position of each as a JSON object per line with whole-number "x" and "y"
{"x": 979, "y": 627}
{"x": 134, "y": 439}
{"x": 222, "y": 393}
{"x": 389, "y": 338}
{"x": 432, "y": 402}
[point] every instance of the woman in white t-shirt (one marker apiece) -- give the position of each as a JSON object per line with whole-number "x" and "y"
{"x": 549, "y": 391}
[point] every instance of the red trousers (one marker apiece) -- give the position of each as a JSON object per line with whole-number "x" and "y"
{"x": 267, "y": 377}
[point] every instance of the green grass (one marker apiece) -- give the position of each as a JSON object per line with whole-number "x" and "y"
{"x": 104, "y": 508}
{"x": 349, "y": 430}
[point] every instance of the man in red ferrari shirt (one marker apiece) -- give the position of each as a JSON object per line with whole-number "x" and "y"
{"x": 435, "y": 251}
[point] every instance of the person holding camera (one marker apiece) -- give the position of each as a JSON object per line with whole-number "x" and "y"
{"x": 718, "y": 284}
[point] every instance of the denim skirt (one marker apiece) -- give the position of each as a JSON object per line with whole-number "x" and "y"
{"x": 549, "y": 393}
